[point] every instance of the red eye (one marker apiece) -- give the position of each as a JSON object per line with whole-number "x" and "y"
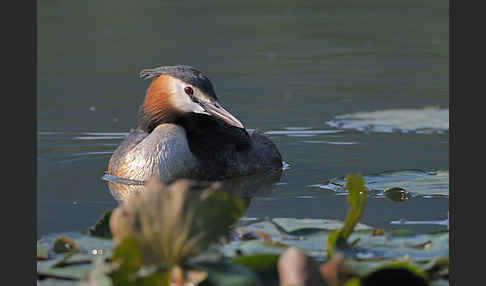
{"x": 188, "y": 90}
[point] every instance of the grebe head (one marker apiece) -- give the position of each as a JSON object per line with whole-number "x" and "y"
{"x": 177, "y": 90}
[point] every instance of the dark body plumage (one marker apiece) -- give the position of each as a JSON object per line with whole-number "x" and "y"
{"x": 222, "y": 151}
{"x": 194, "y": 145}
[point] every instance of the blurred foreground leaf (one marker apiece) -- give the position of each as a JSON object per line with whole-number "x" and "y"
{"x": 175, "y": 222}
{"x": 129, "y": 258}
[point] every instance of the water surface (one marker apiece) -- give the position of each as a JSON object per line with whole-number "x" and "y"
{"x": 283, "y": 67}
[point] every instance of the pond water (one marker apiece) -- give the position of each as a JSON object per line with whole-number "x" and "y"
{"x": 290, "y": 69}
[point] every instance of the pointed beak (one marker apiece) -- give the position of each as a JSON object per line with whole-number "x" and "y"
{"x": 216, "y": 110}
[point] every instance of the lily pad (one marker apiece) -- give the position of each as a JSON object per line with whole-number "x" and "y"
{"x": 75, "y": 264}
{"x": 388, "y": 245}
{"x": 372, "y": 251}
{"x": 291, "y": 225}
{"x": 429, "y": 120}
{"x": 73, "y": 272}
{"x": 410, "y": 183}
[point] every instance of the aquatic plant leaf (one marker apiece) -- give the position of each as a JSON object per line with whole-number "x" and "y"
{"x": 85, "y": 243}
{"x": 227, "y": 272}
{"x": 366, "y": 245}
{"x": 95, "y": 245}
{"x": 75, "y": 271}
{"x": 263, "y": 265}
{"x": 291, "y": 225}
{"x": 371, "y": 251}
{"x": 48, "y": 239}
{"x": 172, "y": 223}
{"x": 251, "y": 247}
{"x": 129, "y": 257}
{"x": 399, "y": 185}
{"x": 357, "y": 198}
{"x": 102, "y": 227}
{"x": 388, "y": 246}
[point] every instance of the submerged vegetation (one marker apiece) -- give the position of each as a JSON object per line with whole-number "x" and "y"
{"x": 189, "y": 233}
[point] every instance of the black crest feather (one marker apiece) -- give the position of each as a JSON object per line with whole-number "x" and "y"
{"x": 185, "y": 73}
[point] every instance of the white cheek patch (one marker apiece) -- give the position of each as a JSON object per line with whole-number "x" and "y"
{"x": 181, "y": 100}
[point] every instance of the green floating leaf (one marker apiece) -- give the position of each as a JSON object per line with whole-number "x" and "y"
{"x": 250, "y": 247}
{"x": 102, "y": 227}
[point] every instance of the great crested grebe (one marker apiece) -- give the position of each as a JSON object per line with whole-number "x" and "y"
{"x": 184, "y": 132}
